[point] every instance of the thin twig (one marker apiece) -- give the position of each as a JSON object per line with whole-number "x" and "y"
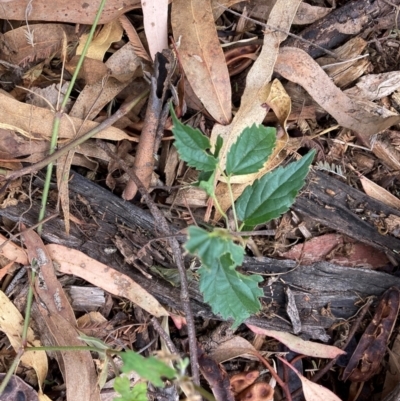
{"x": 176, "y": 251}
{"x": 164, "y": 335}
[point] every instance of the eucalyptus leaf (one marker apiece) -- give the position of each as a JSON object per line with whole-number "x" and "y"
{"x": 272, "y": 194}
{"x": 251, "y": 150}
{"x": 229, "y": 293}
{"x": 193, "y": 147}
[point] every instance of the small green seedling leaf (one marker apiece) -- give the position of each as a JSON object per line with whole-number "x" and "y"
{"x": 122, "y": 386}
{"x": 210, "y": 246}
{"x": 229, "y": 293}
{"x": 151, "y": 369}
{"x": 251, "y": 150}
{"x": 193, "y": 147}
{"x": 272, "y": 194}
{"x": 206, "y": 182}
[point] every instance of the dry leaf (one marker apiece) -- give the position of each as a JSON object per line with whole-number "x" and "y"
{"x": 56, "y": 312}
{"x": 202, "y": 57}
{"x": 74, "y": 11}
{"x": 155, "y": 21}
{"x": 312, "y": 391}
{"x": 109, "y": 33}
{"x": 297, "y": 66}
{"x": 298, "y": 345}
{"x": 25, "y": 119}
{"x": 71, "y": 261}
{"x": 377, "y": 192}
{"x": 47, "y": 40}
{"x": 12, "y": 323}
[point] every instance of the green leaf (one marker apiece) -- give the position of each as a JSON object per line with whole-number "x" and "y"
{"x": 251, "y": 150}
{"x": 151, "y": 369}
{"x": 272, "y": 194}
{"x": 137, "y": 393}
{"x": 218, "y": 146}
{"x": 206, "y": 182}
{"x": 209, "y": 246}
{"x": 192, "y": 146}
{"x": 228, "y": 292}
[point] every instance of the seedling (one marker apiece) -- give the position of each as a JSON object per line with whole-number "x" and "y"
{"x": 228, "y": 292}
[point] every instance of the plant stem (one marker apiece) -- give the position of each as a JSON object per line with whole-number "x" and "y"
{"x": 228, "y": 183}
{"x": 29, "y": 299}
{"x": 59, "y": 113}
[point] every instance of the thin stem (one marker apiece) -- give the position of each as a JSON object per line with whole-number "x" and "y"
{"x": 228, "y": 183}
{"x": 28, "y": 308}
{"x": 58, "y": 115}
{"x": 11, "y": 371}
{"x": 221, "y": 212}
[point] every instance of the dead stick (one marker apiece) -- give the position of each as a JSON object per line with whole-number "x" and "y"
{"x": 176, "y": 251}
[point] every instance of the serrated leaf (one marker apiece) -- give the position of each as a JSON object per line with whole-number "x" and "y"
{"x": 272, "y": 194}
{"x": 229, "y": 293}
{"x": 209, "y": 246}
{"x": 192, "y": 146}
{"x": 251, "y": 150}
{"x": 122, "y": 386}
{"x": 149, "y": 368}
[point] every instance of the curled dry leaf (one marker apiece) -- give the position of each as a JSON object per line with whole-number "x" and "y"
{"x": 260, "y": 391}
{"x": 241, "y": 381}
{"x": 202, "y": 57}
{"x": 366, "y": 359}
{"x": 298, "y": 345}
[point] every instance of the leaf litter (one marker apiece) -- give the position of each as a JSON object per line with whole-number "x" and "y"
{"x": 305, "y": 99}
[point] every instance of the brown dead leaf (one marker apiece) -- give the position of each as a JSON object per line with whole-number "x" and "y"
{"x": 134, "y": 39}
{"x": 47, "y": 40}
{"x": 53, "y": 305}
{"x": 74, "y": 11}
{"x": 12, "y": 323}
{"x": 308, "y": 14}
{"x": 17, "y": 389}
{"x": 366, "y": 359}
{"x": 155, "y": 21}
{"x": 243, "y": 380}
{"x": 233, "y": 348}
{"x": 260, "y": 391}
{"x": 202, "y": 57}
{"x": 27, "y": 119}
{"x": 336, "y": 249}
{"x": 298, "y": 345}
{"x": 377, "y": 192}
{"x": 71, "y": 261}
{"x": 297, "y": 66}
{"x": 108, "y": 34}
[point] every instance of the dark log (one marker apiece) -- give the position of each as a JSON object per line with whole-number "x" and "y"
{"x": 323, "y": 292}
{"x": 342, "y": 24}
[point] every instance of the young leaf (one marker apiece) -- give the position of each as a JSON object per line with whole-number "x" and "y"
{"x": 251, "y": 150}
{"x": 206, "y": 182}
{"x": 149, "y": 368}
{"x": 192, "y": 146}
{"x": 210, "y": 246}
{"x": 122, "y": 386}
{"x": 218, "y": 146}
{"x": 272, "y": 194}
{"x": 228, "y": 292}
